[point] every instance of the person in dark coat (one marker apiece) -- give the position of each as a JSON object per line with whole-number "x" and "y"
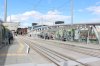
{"x": 10, "y": 37}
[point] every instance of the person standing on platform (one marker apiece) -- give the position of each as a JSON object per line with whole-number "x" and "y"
{"x": 10, "y": 37}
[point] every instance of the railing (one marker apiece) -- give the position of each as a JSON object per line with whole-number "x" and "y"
{"x": 97, "y": 32}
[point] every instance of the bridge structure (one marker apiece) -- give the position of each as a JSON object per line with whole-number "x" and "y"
{"x": 84, "y": 32}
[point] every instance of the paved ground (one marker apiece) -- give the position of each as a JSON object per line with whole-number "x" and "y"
{"x": 15, "y": 53}
{"x": 92, "y": 61}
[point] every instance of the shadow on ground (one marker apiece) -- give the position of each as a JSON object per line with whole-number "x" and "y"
{"x": 4, "y": 52}
{"x": 6, "y": 36}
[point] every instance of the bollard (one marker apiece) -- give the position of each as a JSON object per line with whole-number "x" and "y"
{"x": 27, "y": 49}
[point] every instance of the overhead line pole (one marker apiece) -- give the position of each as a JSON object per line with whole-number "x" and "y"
{"x": 72, "y": 10}
{"x": 5, "y": 11}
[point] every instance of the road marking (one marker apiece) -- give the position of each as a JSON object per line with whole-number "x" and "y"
{"x": 21, "y": 46}
{"x": 12, "y": 54}
{"x": 18, "y": 52}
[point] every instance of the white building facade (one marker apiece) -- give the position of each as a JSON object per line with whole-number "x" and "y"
{"x": 12, "y": 26}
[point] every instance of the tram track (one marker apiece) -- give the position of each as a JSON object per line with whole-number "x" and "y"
{"x": 78, "y": 49}
{"x": 54, "y": 56}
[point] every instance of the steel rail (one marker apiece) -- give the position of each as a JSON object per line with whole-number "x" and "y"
{"x": 57, "y": 54}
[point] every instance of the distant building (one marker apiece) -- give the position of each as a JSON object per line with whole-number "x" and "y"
{"x": 36, "y": 29}
{"x": 12, "y": 26}
{"x": 39, "y": 27}
{"x": 33, "y": 24}
{"x": 22, "y": 31}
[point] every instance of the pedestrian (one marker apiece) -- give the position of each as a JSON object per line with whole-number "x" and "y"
{"x": 10, "y": 37}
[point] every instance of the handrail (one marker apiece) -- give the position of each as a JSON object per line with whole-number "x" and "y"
{"x": 96, "y": 33}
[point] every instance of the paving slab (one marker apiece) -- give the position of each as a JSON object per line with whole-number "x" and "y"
{"x": 15, "y": 53}
{"x": 30, "y": 64}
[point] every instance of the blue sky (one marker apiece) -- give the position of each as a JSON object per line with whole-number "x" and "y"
{"x": 48, "y": 11}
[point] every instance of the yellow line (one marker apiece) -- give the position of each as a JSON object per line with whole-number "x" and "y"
{"x": 21, "y": 46}
{"x": 13, "y": 54}
{"x": 19, "y": 52}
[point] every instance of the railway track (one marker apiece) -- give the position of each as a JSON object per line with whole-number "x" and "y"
{"x": 87, "y": 51}
{"x": 57, "y": 58}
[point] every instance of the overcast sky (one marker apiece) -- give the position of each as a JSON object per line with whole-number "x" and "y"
{"x": 49, "y": 11}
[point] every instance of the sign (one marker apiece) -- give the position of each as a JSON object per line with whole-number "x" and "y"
{"x": 59, "y": 22}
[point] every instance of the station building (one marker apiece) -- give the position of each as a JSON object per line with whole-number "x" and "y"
{"x": 22, "y": 31}
{"x": 12, "y": 26}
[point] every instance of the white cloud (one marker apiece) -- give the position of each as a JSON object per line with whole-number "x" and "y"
{"x": 55, "y": 12}
{"x": 24, "y": 16}
{"x": 26, "y": 24}
{"x": 47, "y": 18}
{"x": 96, "y": 20}
{"x": 94, "y": 10}
{"x": 53, "y": 16}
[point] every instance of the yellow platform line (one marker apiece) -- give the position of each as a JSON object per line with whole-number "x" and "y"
{"x": 12, "y": 54}
{"x": 19, "y": 51}
{"x": 21, "y": 46}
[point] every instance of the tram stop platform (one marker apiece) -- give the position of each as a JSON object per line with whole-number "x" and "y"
{"x": 15, "y": 54}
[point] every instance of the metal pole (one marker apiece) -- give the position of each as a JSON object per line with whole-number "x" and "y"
{"x": 10, "y": 19}
{"x": 5, "y": 11}
{"x": 72, "y": 8}
{"x": 88, "y": 37}
{"x": 72, "y": 19}
{"x": 0, "y": 33}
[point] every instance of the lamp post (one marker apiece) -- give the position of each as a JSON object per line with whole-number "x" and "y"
{"x": 5, "y": 11}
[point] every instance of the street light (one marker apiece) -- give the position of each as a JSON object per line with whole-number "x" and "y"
{"x": 5, "y": 11}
